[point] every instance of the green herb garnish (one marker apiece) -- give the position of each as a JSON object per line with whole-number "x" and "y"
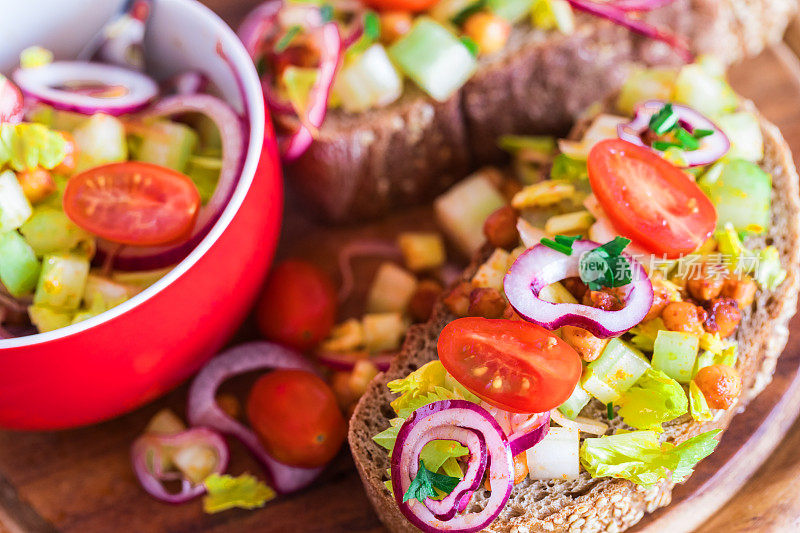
{"x": 663, "y": 121}
{"x": 663, "y": 146}
{"x": 566, "y": 240}
{"x": 326, "y": 12}
{"x": 604, "y": 266}
{"x": 688, "y": 142}
{"x": 471, "y": 45}
{"x": 610, "y": 409}
{"x": 461, "y": 17}
{"x": 372, "y": 26}
{"x": 426, "y": 482}
{"x": 666, "y": 121}
{"x": 700, "y": 133}
{"x": 557, "y": 246}
{"x": 287, "y": 39}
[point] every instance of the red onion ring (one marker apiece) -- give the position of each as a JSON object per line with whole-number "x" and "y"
{"x": 257, "y": 24}
{"x": 361, "y": 248}
{"x": 202, "y": 408}
{"x": 148, "y": 448}
{"x": 41, "y": 82}
{"x": 186, "y": 83}
{"x": 452, "y": 416}
{"x": 233, "y": 150}
{"x": 618, "y": 16}
{"x": 711, "y": 148}
{"x": 540, "y": 266}
{"x": 528, "y": 436}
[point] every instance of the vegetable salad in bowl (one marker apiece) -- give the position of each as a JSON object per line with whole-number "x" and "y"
{"x": 602, "y": 320}
{"x": 106, "y": 181}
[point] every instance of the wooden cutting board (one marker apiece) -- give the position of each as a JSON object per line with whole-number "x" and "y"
{"x": 81, "y": 481}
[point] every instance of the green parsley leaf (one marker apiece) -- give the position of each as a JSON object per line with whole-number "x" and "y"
{"x": 663, "y": 121}
{"x": 227, "y": 492}
{"x": 604, "y": 266}
{"x": 287, "y": 39}
{"x": 471, "y": 45}
{"x": 425, "y": 482}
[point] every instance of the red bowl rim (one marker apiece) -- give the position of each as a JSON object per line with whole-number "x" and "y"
{"x": 254, "y": 102}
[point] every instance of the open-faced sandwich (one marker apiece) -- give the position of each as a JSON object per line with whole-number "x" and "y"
{"x": 629, "y": 301}
{"x": 388, "y": 102}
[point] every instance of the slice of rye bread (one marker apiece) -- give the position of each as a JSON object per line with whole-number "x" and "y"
{"x": 585, "y": 504}
{"x": 364, "y": 164}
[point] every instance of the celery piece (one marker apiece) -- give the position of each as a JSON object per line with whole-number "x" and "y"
{"x": 577, "y": 401}
{"x": 19, "y": 268}
{"x": 62, "y": 281}
{"x": 391, "y": 289}
{"x": 704, "y": 359}
{"x": 674, "y": 353}
{"x": 619, "y": 366}
{"x": 511, "y": 10}
{"x": 744, "y": 132}
{"x": 50, "y": 230}
{"x": 101, "y": 294}
{"x": 100, "y": 140}
{"x": 698, "y": 404}
{"x": 166, "y": 143}
{"x": 434, "y": 58}
{"x": 706, "y": 93}
{"x": 46, "y": 319}
{"x": 368, "y": 80}
{"x": 645, "y": 84}
{"x": 740, "y": 191}
{"x": 15, "y": 208}
{"x": 463, "y": 209}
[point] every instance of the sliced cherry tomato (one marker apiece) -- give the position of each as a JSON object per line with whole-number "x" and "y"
{"x": 414, "y": 6}
{"x": 298, "y": 305}
{"x": 132, "y": 203}
{"x": 511, "y": 364}
{"x": 296, "y": 416}
{"x": 648, "y": 199}
{"x": 10, "y": 101}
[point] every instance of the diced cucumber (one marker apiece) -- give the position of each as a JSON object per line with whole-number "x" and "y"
{"x": 421, "y": 250}
{"x": 62, "y": 282}
{"x": 100, "y": 140}
{"x": 577, "y": 401}
{"x": 708, "y": 94}
{"x": 511, "y": 10}
{"x": 744, "y": 132}
{"x": 619, "y": 366}
{"x": 50, "y": 230}
{"x": 434, "y": 58}
{"x": 382, "y": 331}
{"x": 645, "y": 84}
{"x": 674, "y": 353}
{"x": 369, "y": 80}
{"x": 19, "y": 268}
{"x": 15, "y": 208}
{"x": 740, "y": 191}
{"x": 556, "y": 456}
{"x": 463, "y": 209}
{"x": 391, "y": 289}
{"x": 168, "y": 144}
{"x": 46, "y": 319}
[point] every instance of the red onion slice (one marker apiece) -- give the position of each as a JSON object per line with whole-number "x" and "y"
{"x": 147, "y": 460}
{"x": 42, "y": 83}
{"x": 712, "y": 147}
{"x": 453, "y": 416}
{"x": 186, "y": 83}
{"x": 619, "y": 16}
{"x": 257, "y": 24}
{"x": 232, "y": 134}
{"x": 540, "y": 266}
{"x": 529, "y": 435}
{"x": 202, "y": 408}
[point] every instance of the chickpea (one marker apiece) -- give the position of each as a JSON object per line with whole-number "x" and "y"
{"x": 706, "y": 284}
{"x": 229, "y": 404}
{"x": 606, "y": 299}
{"x": 37, "y": 184}
{"x": 742, "y": 289}
{"x": 486, "y": 303}
{"x": 423, "y": 300}
{"x": 662, "y": 295}
{"x": 684, "y": 316}
{"x": 723, "y": 316}
{"x": 457, "y": 300}
{"x": 395, "y": 24}
{"x": 576, "y": 287}
{"x": 500, "y": 228}
{"x": 489, "y": 31}
{"x": 587, "y": 345}
{"x": 720, "y": 384}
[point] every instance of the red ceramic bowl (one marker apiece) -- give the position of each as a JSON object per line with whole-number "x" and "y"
{"x": 119, "y": 360}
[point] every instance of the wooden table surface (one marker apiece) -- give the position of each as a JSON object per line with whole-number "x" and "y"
{"x": 80, "y": 480}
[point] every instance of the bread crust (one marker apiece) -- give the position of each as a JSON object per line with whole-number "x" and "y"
{"x": 362, "y": 165}
{"x": 606, "y": 504}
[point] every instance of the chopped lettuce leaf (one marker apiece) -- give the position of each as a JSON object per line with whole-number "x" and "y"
{"x": 638, "y": 457}
{"x": 654, "y": 399}
{"x": 699, "y": 406}
{"x": 227, "y": 492}
{"x": 644, "y": 335}
{"x": 26, "y": 146}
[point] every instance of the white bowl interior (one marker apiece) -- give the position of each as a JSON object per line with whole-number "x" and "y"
{"x": 181, "y": 35}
